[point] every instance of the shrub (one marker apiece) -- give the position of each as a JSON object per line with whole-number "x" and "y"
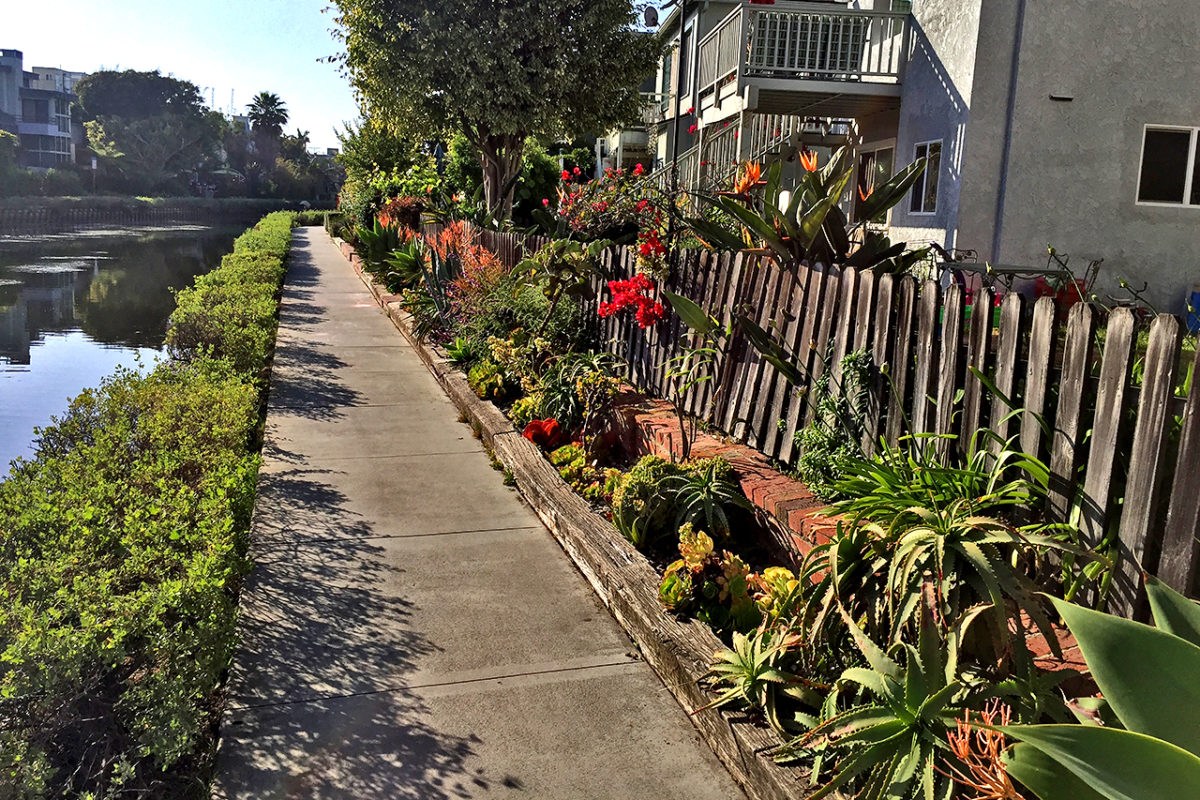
{"x": 587, "y": 478}
{"x": 402, "y": 212}
{"x": 833, "y": 440}
{"x": 123, "y": 545}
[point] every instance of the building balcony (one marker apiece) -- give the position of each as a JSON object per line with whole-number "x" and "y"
{"x": 802, "y": 58}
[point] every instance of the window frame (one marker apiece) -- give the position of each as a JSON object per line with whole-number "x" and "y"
{"x": 1189, "y": 177}
{"x": 873, "y": 148}
{"x": 924, "y": 179}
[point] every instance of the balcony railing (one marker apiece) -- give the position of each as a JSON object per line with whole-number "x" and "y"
{"x": 805, "y": 41}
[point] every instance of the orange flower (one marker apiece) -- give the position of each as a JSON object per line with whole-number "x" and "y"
{"x": 748, "y": 178}
{"x": 864, "y": 195}
{"x": 808, "y": 160}
{"x": 979, "y": 753}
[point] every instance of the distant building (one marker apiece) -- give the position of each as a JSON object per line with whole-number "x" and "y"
{"x": 36, "y": 106}
{"x": 240, "y": 123}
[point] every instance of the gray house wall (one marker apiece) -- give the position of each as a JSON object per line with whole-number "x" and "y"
{"x": 1073, "y": 167}
{"x": 936, "y": 106}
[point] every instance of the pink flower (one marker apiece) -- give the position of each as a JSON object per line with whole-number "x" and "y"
{"x": 546, "y": 201}
{"x": 692, "y": 129}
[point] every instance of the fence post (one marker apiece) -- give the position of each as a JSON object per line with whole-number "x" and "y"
{"x": 1037, "y": 375}
{"x": 1068, "y": 416}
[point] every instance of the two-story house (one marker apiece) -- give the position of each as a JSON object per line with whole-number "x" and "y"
{"x": 36, "y": 106}
{"x": 1047, "y": 122}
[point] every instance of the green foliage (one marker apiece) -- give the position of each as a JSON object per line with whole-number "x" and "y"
{"x": 576, "y": 386}
{"x": 526, "y": 409}
{"x": 543, "y": 80}
{"x": 376, "y": 245}
{"x": 230, "y": 312}
{"x": 1149, "y": 749}
{"x": 123, "y": 547}
{"x": 810, "y": 226}
{"x": 462, "y": 352}
{"x": 887, "y": 726}
{"x": 924, "y": 518}
{"x": 707, "y": 494}
{"x": 489, "y": 381}
{"x": 751, "y": 674}
{"x": 583, "y": 475}
{"x": 714, "y": 587}
{"x": 644, "y": 502}
{"x": 562, "y": 268}
{"x": 656, "y": 497}
{"x": 268, "y": 114}
{"x": 833, "y": 440}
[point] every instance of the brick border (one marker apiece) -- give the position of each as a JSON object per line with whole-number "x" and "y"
{"x": 678, "y": 651}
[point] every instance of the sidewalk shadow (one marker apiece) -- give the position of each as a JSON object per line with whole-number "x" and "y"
{"x": 319, "y": 705}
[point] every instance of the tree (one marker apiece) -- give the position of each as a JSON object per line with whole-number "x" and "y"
{"x": 496, "y": 72}
{"x": 295, "y": 148}
{"x": 148, "y": 130}
{"x": 268, "y": 114}
{"x": 136, "y": 95}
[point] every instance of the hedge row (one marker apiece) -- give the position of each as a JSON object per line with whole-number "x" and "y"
{"x": 122, "y": 545}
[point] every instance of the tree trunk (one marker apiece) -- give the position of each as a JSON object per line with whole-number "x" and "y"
{"x": 500, "y": 156}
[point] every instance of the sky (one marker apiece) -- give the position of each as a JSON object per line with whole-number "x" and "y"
{"x": 243, "y": 46}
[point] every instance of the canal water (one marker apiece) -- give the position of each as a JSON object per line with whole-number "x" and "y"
{"x": 74, "y": 307}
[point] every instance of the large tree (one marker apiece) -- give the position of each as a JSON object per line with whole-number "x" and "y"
{"x": 148, "y": 129}
{"x": 496, "y": 72}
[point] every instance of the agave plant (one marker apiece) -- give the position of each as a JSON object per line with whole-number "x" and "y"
{"x": 1149, "y": 745}
{"x": 810, "y": 225}
{"x": 376, "y": 243}
{"x": 406, "y": 264}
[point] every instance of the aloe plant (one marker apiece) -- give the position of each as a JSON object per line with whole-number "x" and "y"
{"x": 1150, "y": 680}
{"x": 887, "y": 723}
{"x": 406, "y": 263}
{"x": 751, "y": 674}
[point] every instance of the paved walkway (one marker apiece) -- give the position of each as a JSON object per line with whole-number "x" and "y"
{"x": 410, "y": 630}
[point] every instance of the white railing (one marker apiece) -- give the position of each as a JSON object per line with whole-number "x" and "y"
{"x": 805, "y": 41}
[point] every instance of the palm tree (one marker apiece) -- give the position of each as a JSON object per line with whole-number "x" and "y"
{"x": 268, "y": 114}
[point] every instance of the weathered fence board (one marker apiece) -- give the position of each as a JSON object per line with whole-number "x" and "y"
{"x": 947, "y": 377}
{"x": 1181, "y": 542}
{"x": 1106, "y": 426}
{"x": 926, "y": 357}
{"x": 1012, "y": 309}
{"x": 978, "y": 346}
{"x": 1067, "y": 443}
{"x": 1139, "y": 546}
{"x": 901, "y": 364}
{"x": 881, "y": 354}
{"x": 1037, "y": 375}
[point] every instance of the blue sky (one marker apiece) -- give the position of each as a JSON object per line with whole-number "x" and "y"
{"x": 246, "y": 46}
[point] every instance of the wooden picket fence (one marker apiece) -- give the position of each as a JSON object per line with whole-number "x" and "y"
{"x": 1118, "y": 427}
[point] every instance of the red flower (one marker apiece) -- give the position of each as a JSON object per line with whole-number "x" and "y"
{"x": 639, "y": 169}
{"x": 566, "y": 176}
{"x": 690, "y": 109}
{"x": 578, "y": 171}
{"x": 545, "y": 201}
{"x": 692, "y": 129}
{"x": 545, "y": 433}
{"x": 633, "y": 293}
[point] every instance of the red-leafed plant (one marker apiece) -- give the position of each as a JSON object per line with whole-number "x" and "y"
{"x": 545, "y": 433}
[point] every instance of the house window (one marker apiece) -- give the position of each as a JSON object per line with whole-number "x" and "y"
{"x": 1169, "y": 173}
{"x": 874, "y": 169}
{"x": 925, "y": 190}
{"x": 685, "y": 61}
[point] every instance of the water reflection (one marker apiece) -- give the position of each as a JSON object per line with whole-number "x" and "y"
{"x": 74, "y": 307}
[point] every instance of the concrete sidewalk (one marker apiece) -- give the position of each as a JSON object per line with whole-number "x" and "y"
{"x": 410, "y": 630}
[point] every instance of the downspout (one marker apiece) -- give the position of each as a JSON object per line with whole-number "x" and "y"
{"x": 998, "y": 230}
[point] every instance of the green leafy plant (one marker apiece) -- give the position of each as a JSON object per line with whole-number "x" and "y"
{"x": 886, "y": 725}
{"x": 488, "y": 380}
{"x": 644, "y": 503}
{"x": 462, "y": 351}
{"x": 376, "y": 243}
{"x": 923, "y": 519}
{"x": 588, "y": 479}
{"x": 405, "y": 265}
{"x": 752, "y": 674}
{"x": 810, "y": 226}
{"x": 833, "y": 439}
{"x": 1148, "y": 747}
{"x": 562, "y": 268}
{"x": 706, "y": 494}
{"x": 571, "y": 380}
{"x": 714, "y": 587}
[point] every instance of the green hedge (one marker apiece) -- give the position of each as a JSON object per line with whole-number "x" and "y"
{"x": 122, "y": 544}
